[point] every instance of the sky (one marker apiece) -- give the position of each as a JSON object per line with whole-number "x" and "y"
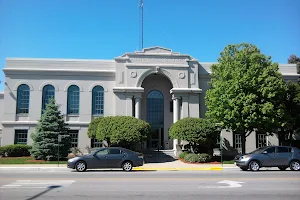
{"x": 105, "y": 29}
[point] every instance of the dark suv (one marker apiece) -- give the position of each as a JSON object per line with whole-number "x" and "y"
{"x": 270, "y": 156}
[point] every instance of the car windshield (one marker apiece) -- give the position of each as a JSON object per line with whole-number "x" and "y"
{"x": 259, "y": 150}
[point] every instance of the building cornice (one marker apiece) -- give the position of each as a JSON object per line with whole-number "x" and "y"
{"x": 186, "y": 90}
{"x": 11, "y": 123}
{"x": 128, "y": 89}
{"x": 146, "y": 65}
{"x": 49, "y": 71}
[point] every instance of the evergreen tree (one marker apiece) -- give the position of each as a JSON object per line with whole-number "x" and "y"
{"x": 45, "y": 138}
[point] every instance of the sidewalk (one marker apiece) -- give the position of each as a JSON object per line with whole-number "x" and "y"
{"x": 167, "y": 166}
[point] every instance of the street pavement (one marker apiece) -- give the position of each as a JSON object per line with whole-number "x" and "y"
{"x": 229, "y": 183}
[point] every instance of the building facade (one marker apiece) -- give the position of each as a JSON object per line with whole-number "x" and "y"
{"x": 155, "y": 84}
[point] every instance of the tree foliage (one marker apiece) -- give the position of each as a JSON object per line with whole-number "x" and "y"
{"x": 45, "y": 138}
{"x": 92, "y": 130}
{"x": 194, "y": 130}
{"x": 122, "y": 130}
{"x": 291, "y": 118}
{"x": 246, "y": 91}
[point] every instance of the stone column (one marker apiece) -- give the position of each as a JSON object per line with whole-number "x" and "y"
{"x": 129, "y": 106}
{"x": 176, "y": 106}
{"x": 138, "y": 107}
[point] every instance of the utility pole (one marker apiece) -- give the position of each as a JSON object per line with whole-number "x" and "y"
{"x": 141, "y": 18}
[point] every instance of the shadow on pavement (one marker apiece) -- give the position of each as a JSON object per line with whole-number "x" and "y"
{"x": 47, "y": 190}
{"x": 113, "y": 170}
{"x": 157, "y": 157}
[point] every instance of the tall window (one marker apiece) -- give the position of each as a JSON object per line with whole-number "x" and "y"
{"x": 96, "y": 143}
{"x": 48, "y": 93}
{"x": 21, "y": 136}
{"x": 23, "y": 95}
{"x": 73, "y": 100}
{"x": 155, "y": 108}
{"x": 237, "y": 142}
{"x": 261, "y": 140}
{"x": 98, "y": 100}
{"x": 74, "y": 137}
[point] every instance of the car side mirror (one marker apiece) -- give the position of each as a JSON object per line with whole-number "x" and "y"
{"x": 265, "y": 152}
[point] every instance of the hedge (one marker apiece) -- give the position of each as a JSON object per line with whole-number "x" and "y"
{"x": 15, "y": 150}
{"x": 197, "y": 158}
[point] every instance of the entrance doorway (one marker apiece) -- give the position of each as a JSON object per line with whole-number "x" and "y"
{"x": 155, "y": 117}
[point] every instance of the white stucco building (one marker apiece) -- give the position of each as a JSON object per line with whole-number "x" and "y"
{"x": 155, "y": 84}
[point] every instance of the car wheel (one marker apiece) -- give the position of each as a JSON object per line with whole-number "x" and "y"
{"x": 80, "y": 166}
{"x": 295, "y": 165}
{"x": 244, "y": 168}
{"x": 282, "y": 168}
{"x": 127, "y": 166}
{"x": 254, "y": 165}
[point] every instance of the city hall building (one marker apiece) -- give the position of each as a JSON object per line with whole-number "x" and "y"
{"x": 155, "y": 84}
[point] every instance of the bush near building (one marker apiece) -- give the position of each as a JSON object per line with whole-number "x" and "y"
{"x": 15, "y": 150}
{"x": 45, "y": 138}
{"x": 124, "y": 131}
{"x": 200, "y": 133}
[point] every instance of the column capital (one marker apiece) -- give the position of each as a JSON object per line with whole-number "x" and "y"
{"x": 175, "y": 97}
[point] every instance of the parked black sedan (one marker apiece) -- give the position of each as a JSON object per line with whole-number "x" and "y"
{"x": 108, "y": 157}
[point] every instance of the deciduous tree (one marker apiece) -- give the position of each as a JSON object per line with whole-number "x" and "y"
{"x": 246, "y": 91}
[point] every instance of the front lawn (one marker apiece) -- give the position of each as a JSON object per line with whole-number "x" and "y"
{"x": 26, "y": 160}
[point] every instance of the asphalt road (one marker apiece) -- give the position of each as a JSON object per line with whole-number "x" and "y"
{"x": 28, "y": 184}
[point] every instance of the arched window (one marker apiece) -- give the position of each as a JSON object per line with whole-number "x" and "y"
{"x": 48, "y": 93}
{"x": 155, "y": 108}
{"x": 23, "y": 95}
{"x": 73, "y": 100}
{"x": 98, "y": 100}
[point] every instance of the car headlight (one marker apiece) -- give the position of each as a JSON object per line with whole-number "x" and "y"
{"x": 245, "y": 158}
{"x": 72, "y": 159}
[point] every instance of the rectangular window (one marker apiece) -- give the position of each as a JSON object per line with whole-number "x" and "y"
{"x": 74, "y": 137}
{"x": 261, "y": 140}
{"x": 96, "y": 143}
{"x": 21, "y": 136}
{"x": 237, "y": 142}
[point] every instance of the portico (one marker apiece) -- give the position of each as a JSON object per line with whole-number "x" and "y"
{"x": 160, "y": 87}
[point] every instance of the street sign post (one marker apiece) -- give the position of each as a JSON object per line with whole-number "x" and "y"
{"x": 59, "y": 140}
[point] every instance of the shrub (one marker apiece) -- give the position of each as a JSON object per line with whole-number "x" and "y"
{"x": 183, "y": 154}
{"x": 197, "y": 158}
{"x": 15, "y": 150}
{"x": 122, "y": 131}
{"x": 191, "y": 157}
{"x": 203, "y": 157}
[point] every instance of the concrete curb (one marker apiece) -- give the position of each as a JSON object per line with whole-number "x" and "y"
{"x": 179, "y": 169}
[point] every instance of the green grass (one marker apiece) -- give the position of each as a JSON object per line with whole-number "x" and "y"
{"x": 228, "y": 162}
{"x": 26, "y": 160}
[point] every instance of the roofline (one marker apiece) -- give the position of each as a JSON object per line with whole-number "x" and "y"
{"x": 58, "y": 59}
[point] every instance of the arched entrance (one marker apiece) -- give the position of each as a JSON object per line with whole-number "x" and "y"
{"x": 157, "y": 110}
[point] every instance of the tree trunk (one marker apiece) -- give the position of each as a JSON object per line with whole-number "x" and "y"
{"x": 243, "y": 143}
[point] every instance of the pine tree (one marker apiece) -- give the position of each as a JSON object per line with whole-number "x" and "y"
{"x": 45, "y": 138}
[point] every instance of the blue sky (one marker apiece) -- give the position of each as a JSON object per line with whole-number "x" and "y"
{"x": 104, "y": 29}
